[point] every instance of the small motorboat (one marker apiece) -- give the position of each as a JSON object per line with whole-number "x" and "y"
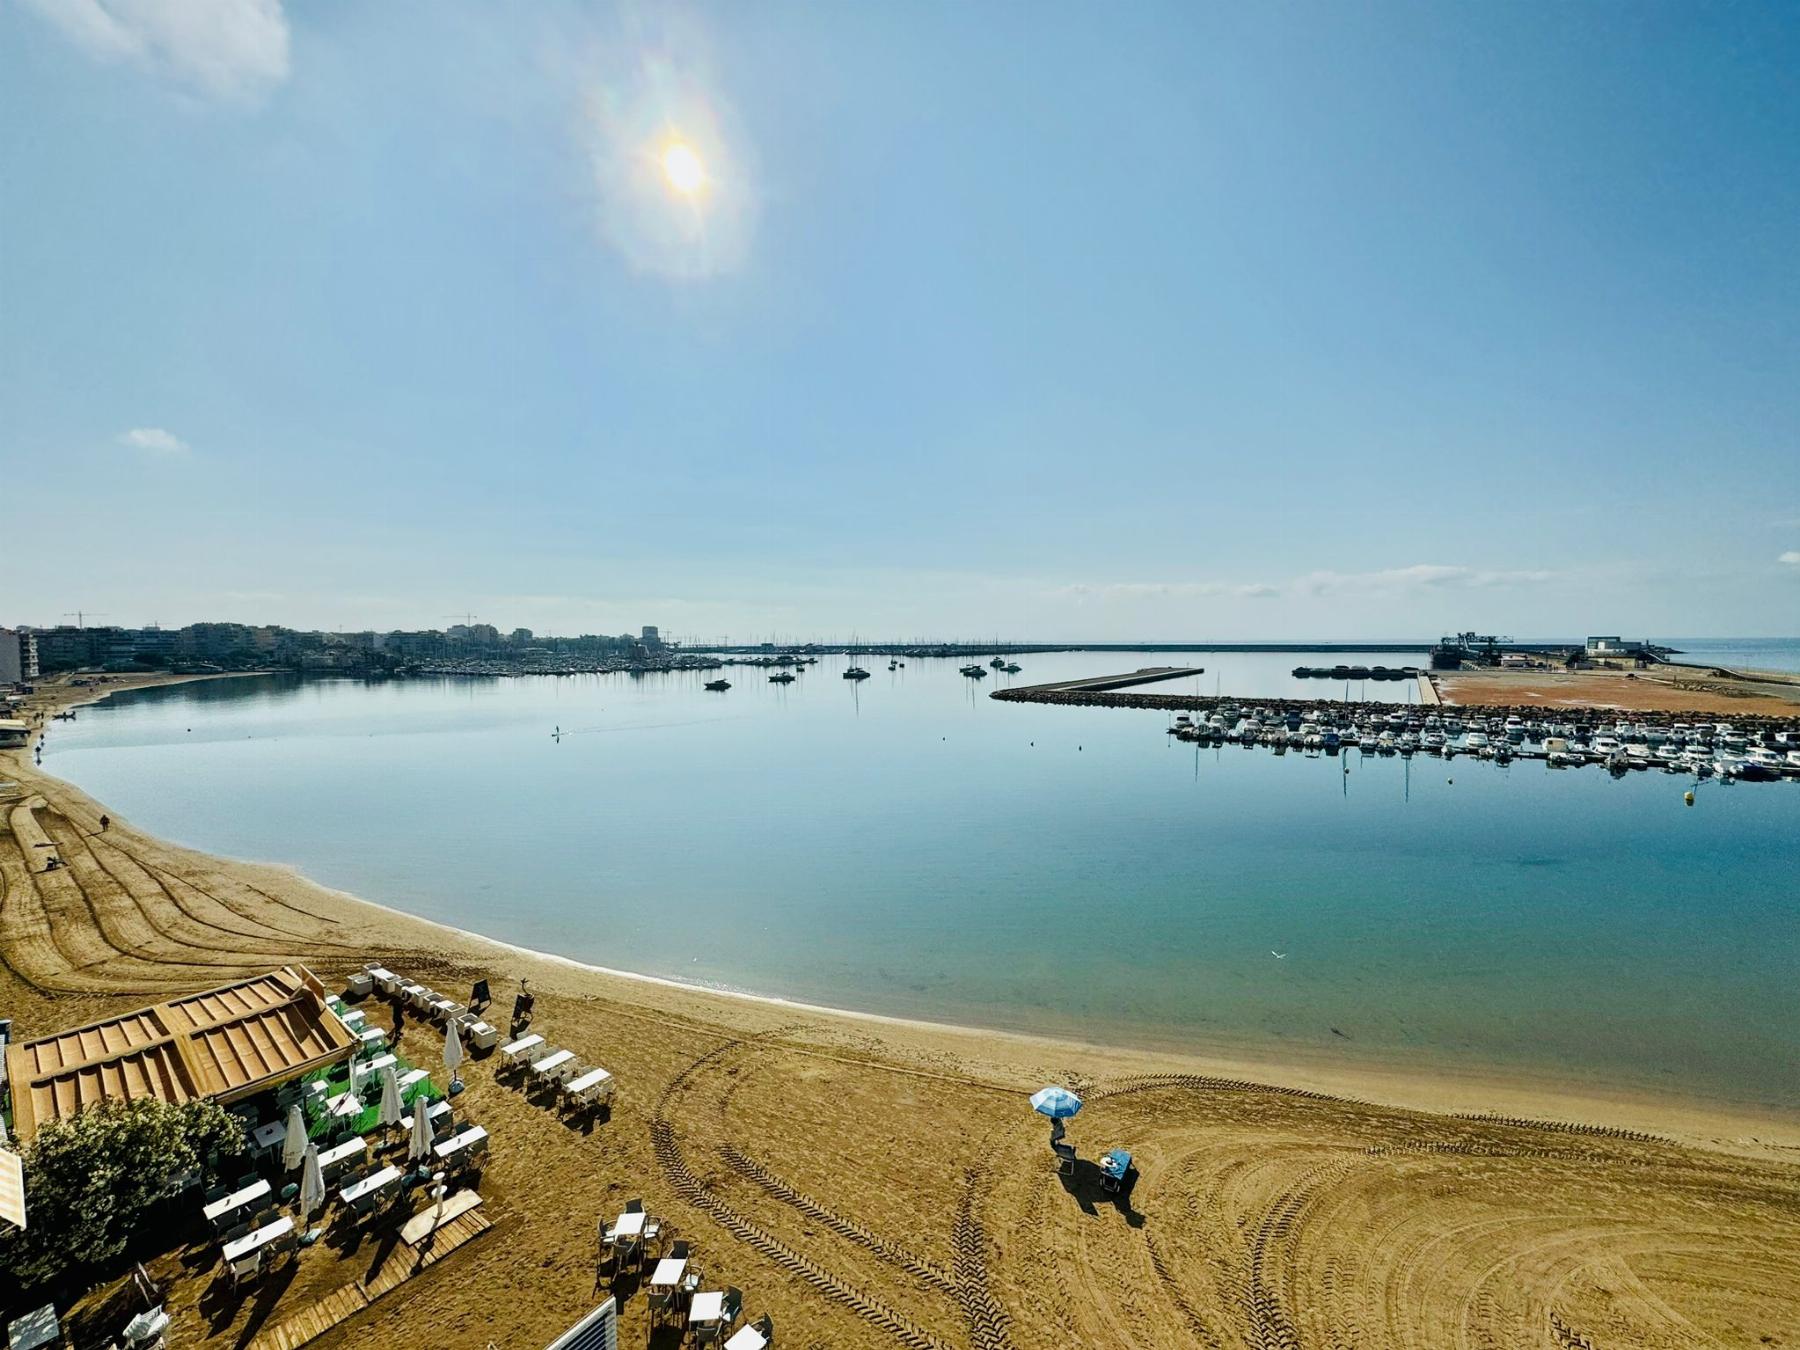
{"x": 718, "y": 686}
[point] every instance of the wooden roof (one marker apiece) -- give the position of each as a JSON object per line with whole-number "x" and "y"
{"x": 226, "y": 1044}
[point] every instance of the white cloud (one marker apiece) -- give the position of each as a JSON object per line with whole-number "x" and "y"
{"x": 155, "y": 441}
{"x": 1791, "y": 557}
{"x": 224, "y": 49}
{"x": 1419, "y": 576}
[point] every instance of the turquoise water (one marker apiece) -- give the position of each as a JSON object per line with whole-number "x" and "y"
{"x": 909, "y": 846}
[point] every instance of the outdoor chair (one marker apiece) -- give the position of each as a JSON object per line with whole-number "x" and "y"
{"x": 734, "y": 1305}
{"x": 247, "y": 1268}
{"x": 263, "y": 1216}
{"x": 216, "y": 1192}
{"x": 634, "y": 1206}
{"x": 660, "y": 1301}
{"x": 678, "y": 1250}
{"x": 708, "y": 1333}
{"x": 652, "y": 1228}
{"x": 236, "y": 1231}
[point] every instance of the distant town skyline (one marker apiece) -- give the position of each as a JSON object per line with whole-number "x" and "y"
{"x": 1190, "y": 321}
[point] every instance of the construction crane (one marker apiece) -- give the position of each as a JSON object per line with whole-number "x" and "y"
{"x": 81, "y": 616}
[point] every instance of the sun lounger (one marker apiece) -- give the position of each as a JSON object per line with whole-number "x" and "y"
{"x": 422, "y": 998}
{"x": 385, "y": 979}
{"x": 592, "y": 1088}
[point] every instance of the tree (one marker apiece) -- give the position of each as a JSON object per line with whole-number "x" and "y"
{"x": 91, "y": 1180}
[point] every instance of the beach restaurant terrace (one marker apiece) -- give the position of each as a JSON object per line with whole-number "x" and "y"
{"x": 224, "y": 1044}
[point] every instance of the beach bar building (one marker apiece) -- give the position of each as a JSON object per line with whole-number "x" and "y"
{"x": 225, "y": 1044}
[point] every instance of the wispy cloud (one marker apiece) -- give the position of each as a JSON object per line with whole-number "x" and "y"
{"x": 234, "y": 50}
{"x": 1390, "y": 580}
{"x": 155, "y": 441}
{"x": 1791, "y": 558}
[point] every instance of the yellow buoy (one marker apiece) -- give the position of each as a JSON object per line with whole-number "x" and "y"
{"x": 1688, "y": 796}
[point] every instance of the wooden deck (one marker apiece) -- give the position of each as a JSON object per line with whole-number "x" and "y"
{"x": 340, "y": 1305}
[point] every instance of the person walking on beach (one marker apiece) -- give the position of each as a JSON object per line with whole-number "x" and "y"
{"x": 104, "y": 822}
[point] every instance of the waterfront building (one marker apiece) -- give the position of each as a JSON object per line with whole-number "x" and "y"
{"x": 12, "y": 657}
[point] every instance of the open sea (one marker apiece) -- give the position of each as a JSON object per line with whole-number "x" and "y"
{"x": 909, "y": 846}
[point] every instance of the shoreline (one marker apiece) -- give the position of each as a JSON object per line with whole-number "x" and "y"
{"x": 1396, "y": 1081}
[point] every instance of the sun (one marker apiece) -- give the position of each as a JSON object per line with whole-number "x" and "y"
{"x": 683, "y": 169}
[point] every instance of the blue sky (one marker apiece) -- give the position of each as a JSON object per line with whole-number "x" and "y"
{"x": 1044, "y": 320}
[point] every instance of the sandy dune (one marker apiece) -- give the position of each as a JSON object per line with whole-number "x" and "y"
{"x": 876, "y": 1184}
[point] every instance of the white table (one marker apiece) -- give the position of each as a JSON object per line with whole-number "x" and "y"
{"x": 262, "y": 1237}
{"x": 668, "y": 1272}
{"x": 593, "y": 1083}
{"x": 630, "y": 1225}
{"x": 370, "y": 1185}
{"x": 345, "y": 1104}
{"x": 412, "y": 1076}
{"x": 237, "y": 1200}
{"x": 470, "y": 1137}
{"x": 707, "y": 1307}
{"x": 523, "y": 1050}
{"x": 380, "y": 1062}
{"x": 748, "y": 1338}
{"x": 555, "y": 1067}
{"x": 265, "y": 1137}
{"x": 373, "y": 1038}
{"x": 34, "y": 1329}
{"x": 436, "y": 1109}
{"x": 342, "y": 1153}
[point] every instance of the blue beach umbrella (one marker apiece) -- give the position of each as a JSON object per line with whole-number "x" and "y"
{"x": 1057, "y": 1103}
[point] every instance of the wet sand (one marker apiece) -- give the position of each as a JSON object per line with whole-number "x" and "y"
{"x": 877, "y": 1182}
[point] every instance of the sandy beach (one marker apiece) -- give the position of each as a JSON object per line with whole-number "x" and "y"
{"x": 871, "y": 1181}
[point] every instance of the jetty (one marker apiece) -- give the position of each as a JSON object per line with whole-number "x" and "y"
{"x": 1100, "y": 684}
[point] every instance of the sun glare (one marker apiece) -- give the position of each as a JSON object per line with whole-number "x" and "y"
{"x": 682, "y": 168}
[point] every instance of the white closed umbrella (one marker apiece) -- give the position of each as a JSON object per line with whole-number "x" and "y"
{"x": 453, "y": 1051}
{"x": 389, "y": 1113}
{"x": 293, "y": 1144}
{"x": 419, "y": 1146}
{"x": 312, "y": 1183}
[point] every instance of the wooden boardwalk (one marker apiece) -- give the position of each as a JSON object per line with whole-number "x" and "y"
{"x": 342, "y": 1304}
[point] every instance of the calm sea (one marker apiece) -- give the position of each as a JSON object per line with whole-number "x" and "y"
{"x": 909, "y": 846}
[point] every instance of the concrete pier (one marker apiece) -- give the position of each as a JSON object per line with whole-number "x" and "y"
{"x": 1101, "y": 683}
